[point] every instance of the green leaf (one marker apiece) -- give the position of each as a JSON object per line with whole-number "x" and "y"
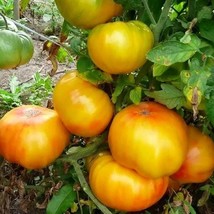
{"x": 136, "y": 95}
{"x": 122, "y": 82}
{"x": 169, "y": 96}
{"x": 205, "y": 13}
{"x": 170, "y": 52}
{"x": 158, "y": 69}
{"x": 62, "y": 200}
{"x": 206, "y": 29}
{"x": 209, "y": 103}
{"x": 84, "y": 64}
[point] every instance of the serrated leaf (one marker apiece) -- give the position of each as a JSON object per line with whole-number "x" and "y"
{"x": 62, "y": 200}
{"x": 136, "y": 95}
{"x": 170, "y": 52}
{"x": 206, "y": 29}
{"x": 169, "y": 96}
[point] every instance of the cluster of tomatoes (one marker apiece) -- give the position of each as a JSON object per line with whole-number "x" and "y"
{"x": 149, "y": 144}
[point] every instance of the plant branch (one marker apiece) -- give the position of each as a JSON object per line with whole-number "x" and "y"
{"x": 145, "y": 2}
{"x": 162, "y": 20}
{"x": 87, "y": 189}
{"x": 5, "y": 20}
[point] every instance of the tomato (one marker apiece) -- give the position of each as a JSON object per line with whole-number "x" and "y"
{"x": 123, "y": 189}
{"x": 199, "y": 163}
{"x": 88, "y": 13}
{"x": 16, "y": 48}
{"x": 120, "y": 47}
{"x": 149, "y": 138}
{"x": 84, "y": 109}
{"x": 32, "y": 136}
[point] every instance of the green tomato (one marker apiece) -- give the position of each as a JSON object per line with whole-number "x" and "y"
{"x": 16, "y": 48}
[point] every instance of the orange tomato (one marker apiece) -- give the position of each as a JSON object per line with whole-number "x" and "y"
{"x": 84, "y": 109}
{"x": 32, "y": 136}
{"x": 121, "y": 188}
{"x": 199, "y": 163}
{"x": 149, "y": 138}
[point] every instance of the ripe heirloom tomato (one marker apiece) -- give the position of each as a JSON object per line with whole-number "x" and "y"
{"x": 199, "y": 163}
{"x": 149, "y": 138}
{"x": 84, "y": 109}
{"x": 88, "y": 13}
{"x": 121, "y": 188}
{"x": 120, "y": 47}
{"x": 32, "y": 136}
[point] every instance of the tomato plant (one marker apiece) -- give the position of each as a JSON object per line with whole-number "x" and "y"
{"x": 199, "y": 163}
{"x": 84, "y": 109}
{"x": 87, "y": 14}
{"x": 148, "y": 141}
{"x": 32, "y": 136}
{"x": 120, "y": 47}
{"x": 124, "y": 189}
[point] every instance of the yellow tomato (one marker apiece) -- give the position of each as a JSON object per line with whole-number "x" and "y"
{"x": 120, "y": 47}
{"x": 88, "y": 13}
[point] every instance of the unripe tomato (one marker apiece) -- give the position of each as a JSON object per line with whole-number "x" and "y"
{"x": 84, "y": 109}
{"x": 32, "y": 136}
{"x": 199, "y": 163}
{"x": 16, "y": 48}
{"x": 88, "y": 13}
{"x": 149, "y": 138}
{"x": 120, "y": 47}
{"x": 121, "y": 188}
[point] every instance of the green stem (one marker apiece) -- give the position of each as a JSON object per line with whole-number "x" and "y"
{"x": 86, "y": 187}
{"x": 76, "y": 153}
{"x": 145, "y": 2}
{"x": 5, "y": 20}
{"x": 162, "y": 20}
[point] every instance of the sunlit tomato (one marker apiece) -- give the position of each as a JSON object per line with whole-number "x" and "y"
{"x": 120, "y": 47}
{"x": 199, "y": 163}
{"x": 84, "y": 109}
{"x": 32, "y": 136}
{"x": 123, "y": 189}
{"x": 88, "y": 13}
{"x": 149, "y": 138}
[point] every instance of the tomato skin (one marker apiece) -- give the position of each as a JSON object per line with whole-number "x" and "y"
{"x": 32, "y": 136}
{"x": 16, "y": 48}
{"x": 152, "y": 136}
{"x": 121, "y": 188}
{"x": 199, "y": 163}
{"x": 84, "y": 109}
{"x": 87, "y": 14}
{"x": 120, "y": 47}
